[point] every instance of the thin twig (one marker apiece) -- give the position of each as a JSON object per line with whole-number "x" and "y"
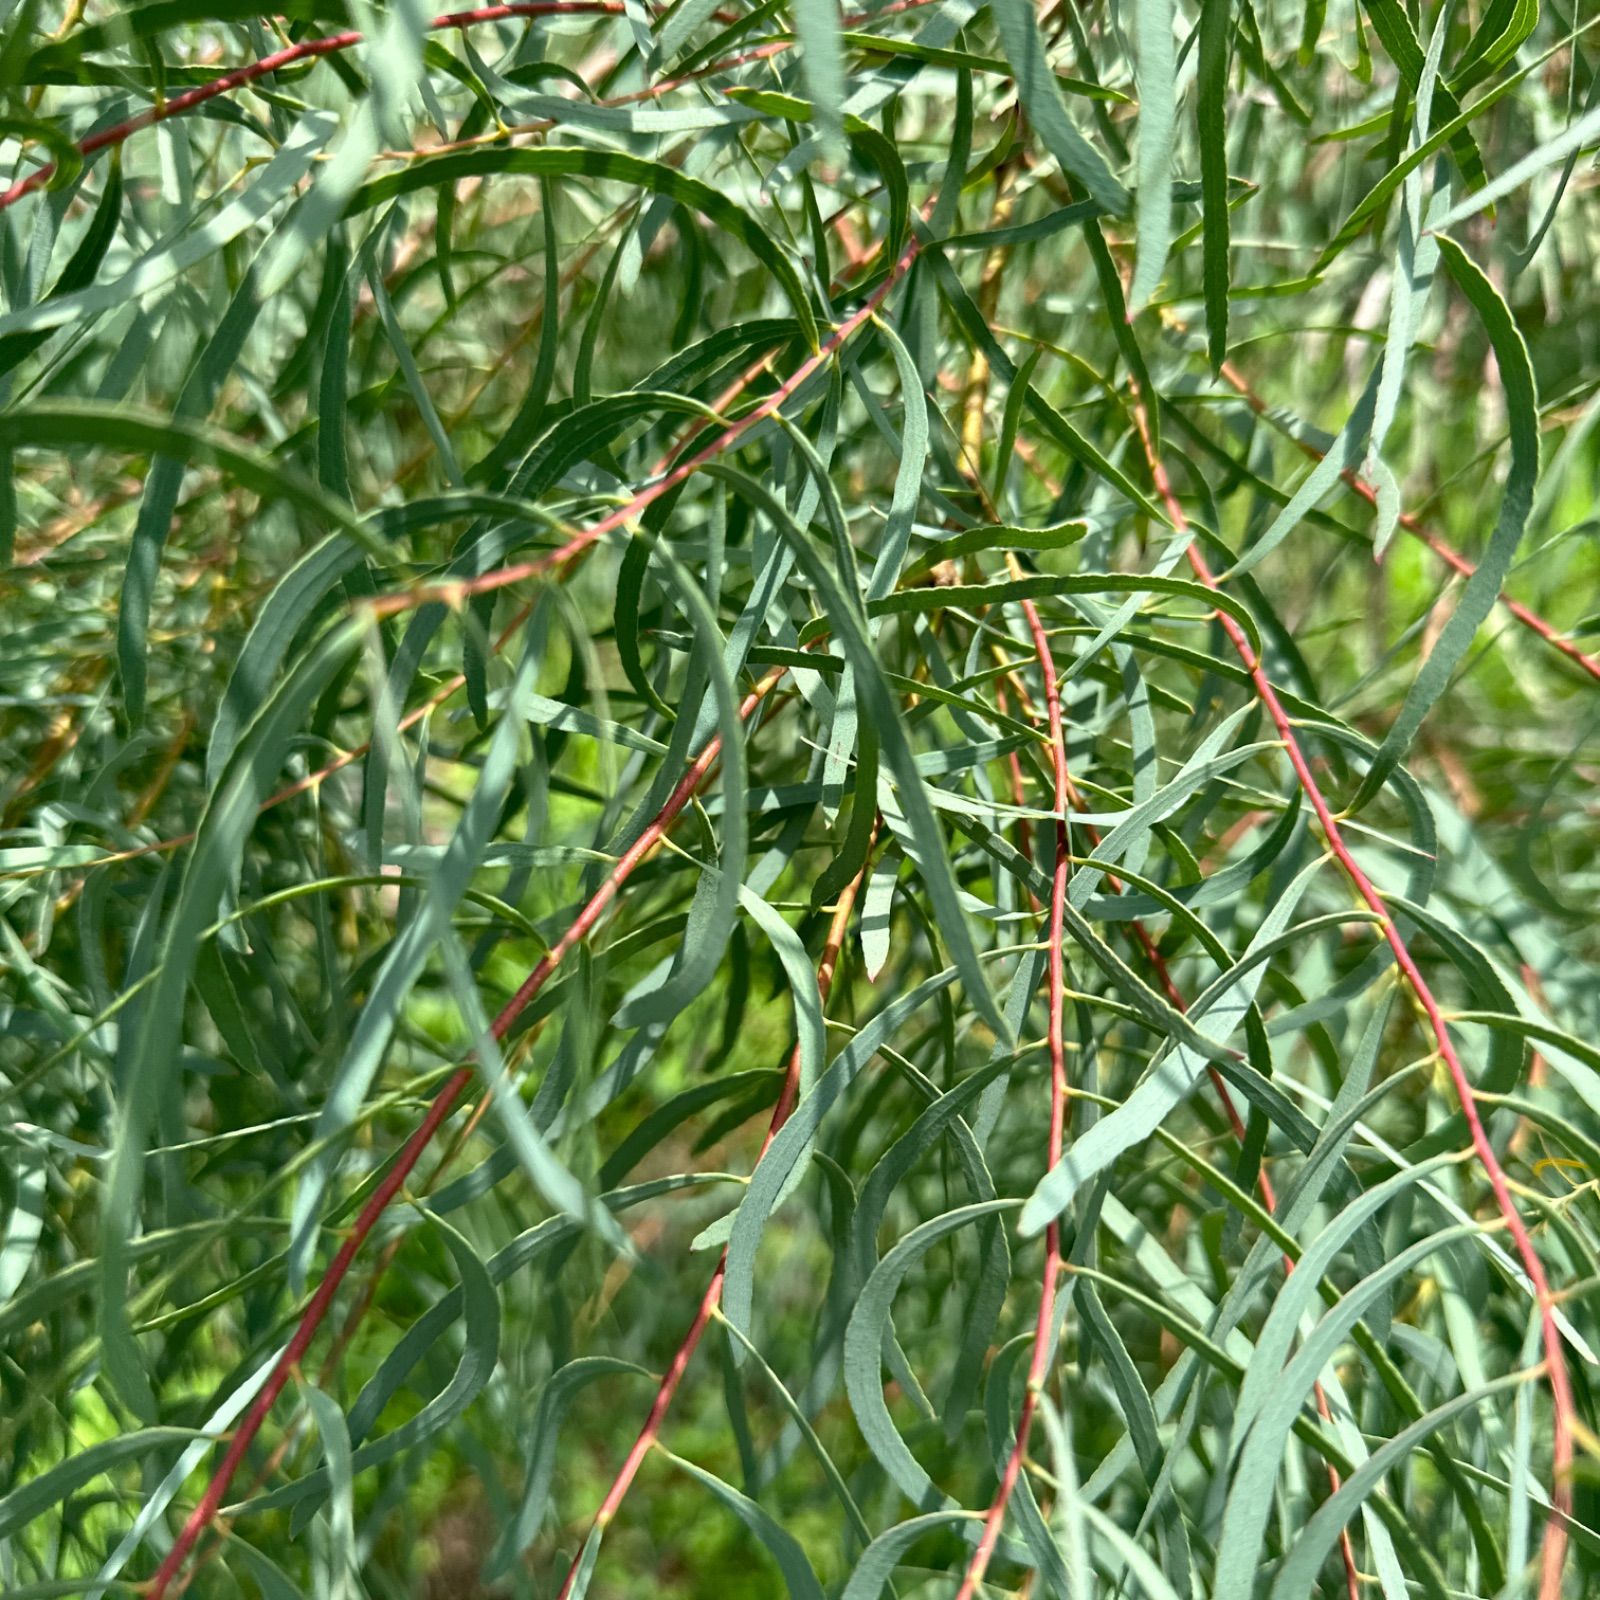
{"x": 500, "y": 577}
{"x": 1413, "y": 525}
{"x": 265, "y": 66}
{"x": 1044, "y": 1324}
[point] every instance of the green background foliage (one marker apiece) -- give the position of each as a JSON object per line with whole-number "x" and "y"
{"x": 415, "y": 449}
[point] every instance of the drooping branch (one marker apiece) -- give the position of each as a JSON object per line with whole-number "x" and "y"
{"x": 443, "y": 1104}
{"x": 518, "y": 572}
{"x": 1555, "y": 1532}
{"x": 1441, "y": 547}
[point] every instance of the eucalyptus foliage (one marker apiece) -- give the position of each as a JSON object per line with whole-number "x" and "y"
{"x": 584, "y": 580}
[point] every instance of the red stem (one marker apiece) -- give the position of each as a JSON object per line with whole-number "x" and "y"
{"x": 444, "y": 1101}
{"x": 557, "y": 558}
{"x": 1555, "y": 1533}
{"x": 446, "y": 1098}
{"x": 567, "y": 554}
{"x": 456, "y": 1085}
{"x": 304, "y": 50}
{"x": 317, "y": 1309}
{"x": 310, "y": 49}
{"x": 1446, "y": 553}
{"x": 502, "y": 576}
{"x": 1039, "y": 1363}
{"x": 1269, "y": 1198}
{"x": 759, "y": 52}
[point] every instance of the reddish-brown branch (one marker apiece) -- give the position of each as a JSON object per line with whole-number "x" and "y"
{"x": 575, "y": 934}
{"x": 1066, "y": 796}
{"x": 583, "y": 541}
{"x": 654, "y": 91}
{"x": 668, "y": 1387}
{"x": 317, "y": 1309}
{"x": 443, "y": 1103}
{"x": 455, "y": 592}
{"x": 759, "y": 52}
{"x": 577, "y": 546}
{"x": 1447, "y": 553}
{"x": 303, "y": 50}
{"x": 358, "y": 1309}
{"x": 1044, "y": 1325}
{"x": 1555, "y": 1538}
{"x": 332, "y": 44}
{"x": 1555, "y": 1533}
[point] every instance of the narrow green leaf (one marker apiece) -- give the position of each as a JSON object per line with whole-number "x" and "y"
{"x": 159, "y": 267}
{"x": 1158, "y": 115}
{"x": 1211, "y": 91}
{"x": 1483, "y": 587}
{"x": 1040, "y": 95}
{"x": 798, "y": 1578}
{"x": 553, "y": 161}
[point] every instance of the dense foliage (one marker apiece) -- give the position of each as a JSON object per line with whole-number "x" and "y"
{"x": 799, "y": 802}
